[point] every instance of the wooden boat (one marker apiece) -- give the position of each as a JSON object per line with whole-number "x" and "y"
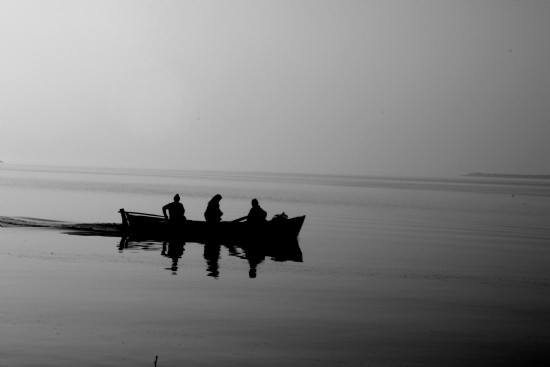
{"x": 200, "y": 231}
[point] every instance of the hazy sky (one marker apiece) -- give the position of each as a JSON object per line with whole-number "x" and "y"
{"x": 361, "y": 87}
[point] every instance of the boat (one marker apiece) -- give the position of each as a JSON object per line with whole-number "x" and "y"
{"x": 201, "y": 231}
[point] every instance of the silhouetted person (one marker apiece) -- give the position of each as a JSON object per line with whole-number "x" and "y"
{"x": 256, "y": 213}
{"x": 175, "y": 210}
{"x": 213, "y": 212}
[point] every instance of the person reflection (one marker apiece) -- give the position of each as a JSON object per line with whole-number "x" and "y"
{"x": 255, "y": 255}
{"x": 173, "y": 249}
{"x": 212, "y": 255}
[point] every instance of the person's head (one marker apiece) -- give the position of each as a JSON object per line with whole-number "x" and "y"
{"x": 254, "y": 202}
{"x": 177, "y": 198}
{"x": 216, "y": 198}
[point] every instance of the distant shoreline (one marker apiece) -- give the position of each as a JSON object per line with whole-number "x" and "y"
{"x": 501, "y": 175}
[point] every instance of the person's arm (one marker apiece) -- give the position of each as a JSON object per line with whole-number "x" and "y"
{"x": 248, "y": 216}
{"x": 164, "y": 208}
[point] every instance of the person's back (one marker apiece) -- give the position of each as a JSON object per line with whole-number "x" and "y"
{"x": 256, "y": 213}
{"x": 213, "y": 212}
{"x": 175, "y": 210}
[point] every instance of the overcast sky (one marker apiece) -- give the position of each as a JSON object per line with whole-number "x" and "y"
{"x": 436, "y": 88}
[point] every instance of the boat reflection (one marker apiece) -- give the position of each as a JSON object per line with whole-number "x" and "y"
{"x": 254, "y": 252}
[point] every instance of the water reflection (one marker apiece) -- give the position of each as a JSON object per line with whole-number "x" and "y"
{"x": 174, "y": 250}
{"x": 212, "y": 255}
{"x": 255, "y": 255}
{"x": 253, "y": 252}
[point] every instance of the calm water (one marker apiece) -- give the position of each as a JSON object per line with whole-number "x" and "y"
{"x": 390, "y": 271}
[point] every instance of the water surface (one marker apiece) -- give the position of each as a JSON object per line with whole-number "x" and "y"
{"x": 393, "y": 271}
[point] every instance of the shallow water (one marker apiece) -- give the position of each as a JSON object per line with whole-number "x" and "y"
{"x": 393, "y": 271}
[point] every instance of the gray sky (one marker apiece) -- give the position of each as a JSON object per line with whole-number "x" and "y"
{"x": 359, "y": 87}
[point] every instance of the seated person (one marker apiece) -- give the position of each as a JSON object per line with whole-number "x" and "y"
{"x": 175, "y": 209}
{"x": 213, "y": 212}
{"x": 256, "y": 213}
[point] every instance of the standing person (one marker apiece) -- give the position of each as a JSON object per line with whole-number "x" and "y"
{"x": 175, "y": 210}
{"x": 213, "y": 212}
{"x": 256, "y": 213}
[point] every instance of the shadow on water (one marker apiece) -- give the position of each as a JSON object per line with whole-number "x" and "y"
{"x": 253, "y": 252}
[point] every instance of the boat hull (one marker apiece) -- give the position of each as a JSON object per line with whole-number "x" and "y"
{"x": 200, "y": 231}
